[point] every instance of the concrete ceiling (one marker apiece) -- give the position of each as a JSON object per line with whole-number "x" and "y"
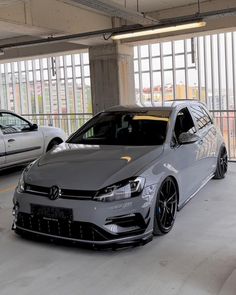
{"x": 9, "y": 2}
{"x": 153, "y": 5}
{"x": 4, "y": 34}
{"x": 22, "y": 20}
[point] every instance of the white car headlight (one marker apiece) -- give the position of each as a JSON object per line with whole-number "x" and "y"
{"x": 123, "y": 190}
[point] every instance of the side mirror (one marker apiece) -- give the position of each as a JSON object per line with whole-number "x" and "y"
{"x": 186, "y": 138}
{"x": 34, "y": 127}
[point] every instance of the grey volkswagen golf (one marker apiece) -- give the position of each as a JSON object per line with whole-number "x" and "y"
{"x": 122, "y": 177}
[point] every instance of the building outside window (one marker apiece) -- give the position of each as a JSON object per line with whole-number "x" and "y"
{"x": 50, "y": 90}
{"x": 203, "y": 68}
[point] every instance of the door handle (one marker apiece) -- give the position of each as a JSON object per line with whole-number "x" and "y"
{"x": 11, "y": 140}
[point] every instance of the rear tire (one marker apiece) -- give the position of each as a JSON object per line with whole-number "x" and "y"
{"x": 222, "y": 163}
{"x": 166, "y": 207}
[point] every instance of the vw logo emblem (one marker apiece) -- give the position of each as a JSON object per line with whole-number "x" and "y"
{"x": 54, "y": 193}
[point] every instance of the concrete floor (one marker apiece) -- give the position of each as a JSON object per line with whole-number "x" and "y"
{"x": 198, "y": 257}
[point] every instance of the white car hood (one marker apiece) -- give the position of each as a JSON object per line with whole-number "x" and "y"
{"x": 90, "y": 167}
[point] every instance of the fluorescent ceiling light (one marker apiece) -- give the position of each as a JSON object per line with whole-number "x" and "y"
{"x": 158, "y": 30}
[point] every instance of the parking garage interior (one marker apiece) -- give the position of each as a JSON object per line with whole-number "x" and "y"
{"x": 62, "y": 62}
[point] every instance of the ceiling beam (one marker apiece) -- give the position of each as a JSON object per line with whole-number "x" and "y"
{"x": 49, "y": 17}
{"x": 115, "y": 10}
{"x": 15, "y": 54}
{"x": 193, "y": 9}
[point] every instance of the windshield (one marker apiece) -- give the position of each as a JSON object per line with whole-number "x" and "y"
{"x": 124, "y": 128}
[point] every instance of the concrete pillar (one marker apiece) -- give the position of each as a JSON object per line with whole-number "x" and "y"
{"x": 112, "y": 76}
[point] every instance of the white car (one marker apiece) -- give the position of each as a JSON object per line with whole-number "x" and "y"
{"x": 22, "y": 141}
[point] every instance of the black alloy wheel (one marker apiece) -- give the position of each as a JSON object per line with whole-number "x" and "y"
{"x": 166, "y": 207}
{"x": 222, "y": 164}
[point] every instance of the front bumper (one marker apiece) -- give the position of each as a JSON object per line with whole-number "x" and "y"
{"x": 94, "y": 223}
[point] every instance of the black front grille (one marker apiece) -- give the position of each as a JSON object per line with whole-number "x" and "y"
{"x": 65, "y": 193}
{"x": 62, "y": 228}
{"x": 35, "y": 189}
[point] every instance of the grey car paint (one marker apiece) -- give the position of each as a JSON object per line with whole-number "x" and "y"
{"x": 25, "y": 146}
{"x": 103, "y": 164}
{"x": 90, "y": 168}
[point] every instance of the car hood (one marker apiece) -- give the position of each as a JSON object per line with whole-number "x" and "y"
{"x": 84, "y": 167}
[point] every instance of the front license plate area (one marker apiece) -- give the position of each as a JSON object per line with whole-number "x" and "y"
{"x": 51, "y": 213}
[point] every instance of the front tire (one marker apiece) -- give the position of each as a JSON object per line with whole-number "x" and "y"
{"x": 166, "y": 207}
{"x": 222, "y": 163}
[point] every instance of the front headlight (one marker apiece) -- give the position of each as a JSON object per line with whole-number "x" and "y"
{"x": 123, "y": 190}
{"x": 21, "y": 183}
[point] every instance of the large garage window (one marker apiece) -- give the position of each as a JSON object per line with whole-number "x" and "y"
{"x": 202, "y": 68}
{"x": 49, "y": 90}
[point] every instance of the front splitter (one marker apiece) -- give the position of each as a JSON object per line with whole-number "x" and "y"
{"x": 113, "y": 244}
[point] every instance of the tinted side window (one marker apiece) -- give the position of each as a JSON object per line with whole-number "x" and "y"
{"x": 201, "y": 116}
{"x": 205, "y": 111}
{"x": 184, "y": 123}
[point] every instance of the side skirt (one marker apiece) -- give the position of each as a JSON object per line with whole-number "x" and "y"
{"x": 194, "y": 194}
